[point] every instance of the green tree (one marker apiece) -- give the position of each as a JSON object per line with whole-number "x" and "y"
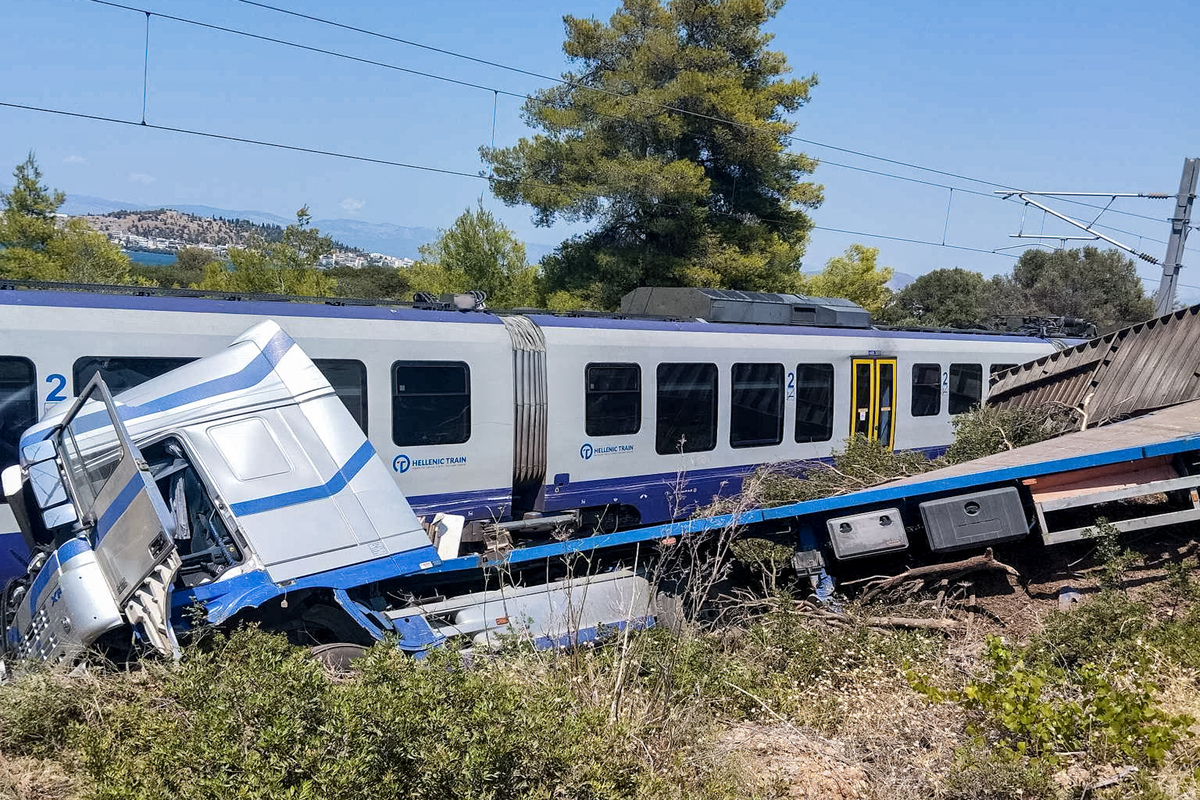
{"x": 477, "y": 252}
{"x": 27, "y": 225}
{"x": 372, "y": 282}
{"x": 1101, "y": 286}
{"x": 855, "y": 276}
{"x": 289, "y": 266}
{"x": 33, "y": 246}
{"x": 194, "y": 258}
{"x": 188, "y": 269}
{"x": 1004, "y": 297}
{"x": 86, "y": 256}
{"x": 943, "y": 297}
{"x": 680, "y": 199}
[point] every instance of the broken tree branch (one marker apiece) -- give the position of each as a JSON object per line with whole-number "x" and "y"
{"x": 837, "y": 618}
{"x": 950, "y": 571}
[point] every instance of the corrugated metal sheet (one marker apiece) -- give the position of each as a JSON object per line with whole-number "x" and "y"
{"x": 1137, "y": 369}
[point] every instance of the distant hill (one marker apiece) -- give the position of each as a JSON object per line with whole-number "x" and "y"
{"x": 373, "y": 237}
{"x": 188, "y": 228}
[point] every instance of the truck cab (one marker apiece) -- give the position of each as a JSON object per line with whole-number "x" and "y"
{"x": 239, "y": 484}
{"x": 240, "y": 465}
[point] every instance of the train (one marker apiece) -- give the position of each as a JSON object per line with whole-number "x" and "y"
{"x": 535, "y": 420}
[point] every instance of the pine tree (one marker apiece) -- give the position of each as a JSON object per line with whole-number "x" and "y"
{"x": 710, "y": 197}
{"x": 27, "y": 225}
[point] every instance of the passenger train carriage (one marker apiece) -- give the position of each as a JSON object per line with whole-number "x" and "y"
{"x": 584, "y": 420}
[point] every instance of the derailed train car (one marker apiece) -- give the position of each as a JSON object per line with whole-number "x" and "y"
{"x": 538, "y": 419}
{"x": 239, "y": 487}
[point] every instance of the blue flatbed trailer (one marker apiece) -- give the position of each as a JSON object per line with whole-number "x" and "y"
{"x": 1140, "y": 457}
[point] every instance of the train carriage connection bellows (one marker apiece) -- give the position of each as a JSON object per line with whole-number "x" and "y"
{"x": 529, "y": 402}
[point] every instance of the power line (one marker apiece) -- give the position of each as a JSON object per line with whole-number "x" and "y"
{"x": 407, "y": 165}
{"x": 673, "y": 109}
{"x": 244, "y": 140}
{"x": 527, "y": 97}
{"x": 309, "y": 48}
{"x": 914, "y": 241}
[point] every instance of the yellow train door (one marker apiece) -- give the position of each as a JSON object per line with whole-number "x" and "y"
{"x": 873, "y": 399}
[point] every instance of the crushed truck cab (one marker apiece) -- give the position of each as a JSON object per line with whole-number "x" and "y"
{"x": 238, "y": 482}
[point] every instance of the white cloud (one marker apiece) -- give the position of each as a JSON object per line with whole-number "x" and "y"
{"x": 352, "y": 204}
{"x": 74, "y": 160}
{"x": 141, "y": 177}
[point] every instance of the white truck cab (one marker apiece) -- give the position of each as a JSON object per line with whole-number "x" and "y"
{"x": 235, "y": 482}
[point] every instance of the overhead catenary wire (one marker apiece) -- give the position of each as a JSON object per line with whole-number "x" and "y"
{"x": 496, "y": 91}
{"x": 649, "y": 103}
{"x": 421, "y": 167}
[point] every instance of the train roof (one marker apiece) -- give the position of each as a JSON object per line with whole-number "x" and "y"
{"x": 133, "y": 298}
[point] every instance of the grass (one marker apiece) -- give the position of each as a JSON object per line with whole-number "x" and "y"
{"x": 767, "y": 703}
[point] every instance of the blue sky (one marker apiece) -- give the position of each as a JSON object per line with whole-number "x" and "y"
{"x": 1095, "y": 96}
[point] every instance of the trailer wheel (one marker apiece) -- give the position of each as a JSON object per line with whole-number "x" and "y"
{"x": 339, "y": 657}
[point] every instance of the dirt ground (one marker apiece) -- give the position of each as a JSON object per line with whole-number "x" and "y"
{"x": 895, "y": 745}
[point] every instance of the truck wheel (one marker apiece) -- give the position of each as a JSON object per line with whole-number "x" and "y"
{"x": 339, "y": 657}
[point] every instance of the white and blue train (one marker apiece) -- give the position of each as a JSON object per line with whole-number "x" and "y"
{"x": 587, "y": 421}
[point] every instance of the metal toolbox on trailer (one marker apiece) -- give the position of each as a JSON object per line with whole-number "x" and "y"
{"x": 970, "y": 520}
{"x": 866, "y": 534}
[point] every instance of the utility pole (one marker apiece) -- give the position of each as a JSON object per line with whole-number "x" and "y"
{"x": 1164, "y": 299}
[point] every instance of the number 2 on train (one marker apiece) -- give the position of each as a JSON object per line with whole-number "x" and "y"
{"x": 59, "y": 383}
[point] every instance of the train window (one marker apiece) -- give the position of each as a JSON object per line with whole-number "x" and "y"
{"x": 814, "y": 402}
{"x": 966, "y": 387}
{"x": 123, "y": 372}
{"x": 431, "y": 402}
{"x": 926, "y": 390}
{"x": 686, "y": 408}
{"x": 613, "y": 401}
{"x": 998, "y": 368}
{"x": 18, "y": 406}
{"x": 756, "y": 413}
{"x": 349, "y": 380}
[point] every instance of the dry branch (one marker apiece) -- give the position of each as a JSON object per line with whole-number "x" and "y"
{"x": 837, "y": 618}
{"x": 950, "y": 572}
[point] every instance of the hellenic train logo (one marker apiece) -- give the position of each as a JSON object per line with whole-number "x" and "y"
{"x": 403, "y": 463}
{"x": 587, "y": 451}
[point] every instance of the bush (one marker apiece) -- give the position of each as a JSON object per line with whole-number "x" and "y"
{"x": 1105, "y": 627}
{"x": 1043, "y": 712}
{"x": 39, "y": 712}
{"x": 861, "y": 464}
{"x": 782, "y": 665}
{"x": 256, "y": 717}
{"x": 987, "y": 430}
{"x": 981, "y": 772}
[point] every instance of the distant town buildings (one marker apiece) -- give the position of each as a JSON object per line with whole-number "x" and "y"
{"x": 131, "y": 241}
{"x": 339, "y": 258}
{"x": 345, "y": 258}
